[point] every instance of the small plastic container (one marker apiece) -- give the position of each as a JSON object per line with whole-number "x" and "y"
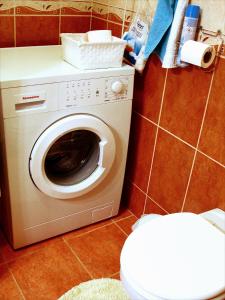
{"x": 91, "y": 55}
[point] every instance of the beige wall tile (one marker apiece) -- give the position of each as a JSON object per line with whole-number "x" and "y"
{"x": 104, "y": 2}
{"x": 118, "y": 3}
{"x": 212, "y": 14}
{"x": 100, "y": 9}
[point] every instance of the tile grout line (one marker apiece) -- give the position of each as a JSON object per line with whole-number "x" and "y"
{"x": 167, "y": 131}
{"x": 60, "y": 21}
{"x": 158, "y": 204}
{"x": 134, "y": 184}
{"x": 90, "y": 24}
{"x": 198, "y": 141}
{"x": 106, "y": 20}
{"x": 77, "y": 257}
{"x": 124, "y": 18}
{"x": 16, "y": 283}
{"x": 138, "y": 188}
{"x": 178, "y": 138}
{"x": 42, "y": 15}
{"x": 111, "y": 221}
{"x": 156, "y": 138}
{"x": 91, "y": 230}
{"x": 131, "y": 212}
{"x": 114, "y": 274}
{"x": 6, "y": 261}
{"x": 14, "y": 25}
{"x": 209, "y": 157}
{"x": 117, "y": 225}
{"x": 125, "y": 218}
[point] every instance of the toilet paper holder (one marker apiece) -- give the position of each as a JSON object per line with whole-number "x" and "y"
{"x": 204, "y": 35}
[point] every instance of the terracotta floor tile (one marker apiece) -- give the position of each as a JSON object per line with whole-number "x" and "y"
{"x": 126, "y": 224}
{"x": 116, "y": 276}
{"x": 8, "y": 287}
{"x": 100, "y": 250}
{"x": 123, "y": 213}
{"x": 83, "y": 230}
{"x": 48, "y": 273}
{"x": 8, "y": 253}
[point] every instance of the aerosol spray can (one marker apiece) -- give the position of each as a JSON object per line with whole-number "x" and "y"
{"x": 189, "y": 29}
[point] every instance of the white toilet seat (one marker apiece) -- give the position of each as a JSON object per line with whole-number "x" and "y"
{"x": 178, "y": 256}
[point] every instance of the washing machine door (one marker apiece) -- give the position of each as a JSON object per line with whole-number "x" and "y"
{"x": 72, "y": 156}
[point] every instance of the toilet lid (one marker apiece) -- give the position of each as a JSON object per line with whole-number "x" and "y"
{"x": 177, "y": 256}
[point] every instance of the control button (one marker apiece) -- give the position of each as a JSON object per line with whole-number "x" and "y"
{"x": 117, "y": 87}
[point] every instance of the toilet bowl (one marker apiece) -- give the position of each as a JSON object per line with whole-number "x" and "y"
{"x": 174, "y": 257}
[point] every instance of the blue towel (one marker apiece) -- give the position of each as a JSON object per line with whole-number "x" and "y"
{"x": 160, "y": 28}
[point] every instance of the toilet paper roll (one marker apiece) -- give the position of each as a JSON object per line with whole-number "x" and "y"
{"x": 197, "y": 53}
{"x": 96, "y": 36}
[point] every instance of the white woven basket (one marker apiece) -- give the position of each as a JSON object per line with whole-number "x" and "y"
{"x": 86, "y": 55}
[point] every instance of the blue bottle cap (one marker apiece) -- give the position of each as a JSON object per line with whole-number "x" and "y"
{"x": 192, "y": 11}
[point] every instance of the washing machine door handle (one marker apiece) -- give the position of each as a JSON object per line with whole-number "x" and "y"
{"x": 102, "y": 146}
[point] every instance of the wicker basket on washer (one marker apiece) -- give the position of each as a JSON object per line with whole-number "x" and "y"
{"x": 86, "y": 55}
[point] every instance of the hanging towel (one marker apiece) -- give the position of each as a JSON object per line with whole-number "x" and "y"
{"x": 170, "y": 57}
{"x": 157, "y": 38}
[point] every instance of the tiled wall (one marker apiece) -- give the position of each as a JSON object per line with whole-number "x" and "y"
{"x": 116, "y": 15}
{"x": 176, "y": 159}
{"x": 31, "y": 22}
{"x": 177, "y": 148}
{"x": 177, "y": 143}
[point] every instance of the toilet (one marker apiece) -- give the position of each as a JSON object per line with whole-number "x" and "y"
{"x": 179, "y": 256}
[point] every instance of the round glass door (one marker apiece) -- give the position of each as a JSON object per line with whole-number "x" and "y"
{"x": 72, "y": 156}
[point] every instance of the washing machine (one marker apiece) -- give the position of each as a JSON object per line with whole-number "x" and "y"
{"x": 64, "y": 138}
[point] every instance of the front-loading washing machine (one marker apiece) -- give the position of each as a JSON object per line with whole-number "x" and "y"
{"x": 64, "y": 138}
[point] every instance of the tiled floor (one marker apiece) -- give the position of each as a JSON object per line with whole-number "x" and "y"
{"x": 48, "y": 269}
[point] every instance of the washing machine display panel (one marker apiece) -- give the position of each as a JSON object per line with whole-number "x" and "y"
{"x": 73, "y": 157}
{"x": 102, "y": 90}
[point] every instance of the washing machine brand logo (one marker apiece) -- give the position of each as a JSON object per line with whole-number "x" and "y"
{"x": 30, "y": 97}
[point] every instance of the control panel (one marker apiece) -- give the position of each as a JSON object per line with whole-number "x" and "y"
{"x": 95, "y": 91}
{"x": 35, "y": 99}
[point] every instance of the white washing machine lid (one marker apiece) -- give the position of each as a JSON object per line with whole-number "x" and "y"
{"x": 177, "y": 256}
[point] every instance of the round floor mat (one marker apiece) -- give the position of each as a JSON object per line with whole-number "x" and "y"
{"x": 97, "y": 289}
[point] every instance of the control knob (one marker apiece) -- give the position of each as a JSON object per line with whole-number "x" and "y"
{"x": 117, "y": 87}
